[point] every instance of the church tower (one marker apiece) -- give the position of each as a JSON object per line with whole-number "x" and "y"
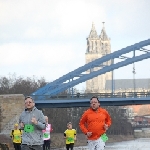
{"x": 97, "y": 47}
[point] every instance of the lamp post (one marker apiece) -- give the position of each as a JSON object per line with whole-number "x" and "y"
{"x": 134, "y": 86}
{"x": 112, "y": 79}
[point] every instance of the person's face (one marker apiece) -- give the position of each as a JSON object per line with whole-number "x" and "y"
{"x": 29, "y": 104}
{"x": 94, "y": 104}
{"x": 15, "y": 127}
{"x": 46, "y": 119}
{"x": 69, "y": 126}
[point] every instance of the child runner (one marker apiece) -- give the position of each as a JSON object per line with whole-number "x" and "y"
{"x": 46, "y": 135}
{"x": 16, "y": 135}
{"x": 70, "y": 136}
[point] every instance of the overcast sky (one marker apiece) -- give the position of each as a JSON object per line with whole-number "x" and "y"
{"x": 47, "y": 38}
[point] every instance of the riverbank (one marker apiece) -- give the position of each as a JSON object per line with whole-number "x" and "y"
{"x": 136, "y": 144}
{"x": 119, "y": 138}
{"x": 57, "y": 140}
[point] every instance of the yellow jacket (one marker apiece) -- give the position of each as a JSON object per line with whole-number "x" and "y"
{"x": 16, "y": 135}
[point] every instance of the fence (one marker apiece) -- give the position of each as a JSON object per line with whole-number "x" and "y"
{"x": 89, "y": 95}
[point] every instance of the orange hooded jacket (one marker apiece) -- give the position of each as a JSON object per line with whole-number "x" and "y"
{"x": 94, "y": 121}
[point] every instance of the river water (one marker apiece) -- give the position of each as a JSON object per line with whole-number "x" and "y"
{"x": 138, "y": 144}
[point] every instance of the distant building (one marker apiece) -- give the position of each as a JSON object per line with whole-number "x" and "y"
{"x": 142, "y": 119}
{"x": 128, "y": 85}
{"x": 97, "y": 47}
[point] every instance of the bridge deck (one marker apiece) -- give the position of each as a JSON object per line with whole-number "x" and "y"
{"x": 66, "y": 103}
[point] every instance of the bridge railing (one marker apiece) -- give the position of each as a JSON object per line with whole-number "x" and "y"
{"x": 141, "y": 126}
{"x": 89, "y": 95}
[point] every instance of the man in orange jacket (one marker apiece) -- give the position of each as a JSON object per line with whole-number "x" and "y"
{"x": 94, "y": 123}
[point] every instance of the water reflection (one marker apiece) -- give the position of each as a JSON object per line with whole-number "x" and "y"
{"x": 138, "y": 144}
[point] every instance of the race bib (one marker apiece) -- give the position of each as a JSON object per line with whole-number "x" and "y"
{"x": 29, "y": 128}
{"x": 17, "y": 137}
{"x": 104, "y": 137}
{"x": 46, "y": 135}
{"x": 70, "y": 139}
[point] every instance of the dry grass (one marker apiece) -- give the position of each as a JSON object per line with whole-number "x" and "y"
{"x": 57, "y": 140}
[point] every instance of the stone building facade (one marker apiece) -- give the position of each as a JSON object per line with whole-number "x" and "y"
{"x": 97, "y": 47}
{"x": 11, "y": 106}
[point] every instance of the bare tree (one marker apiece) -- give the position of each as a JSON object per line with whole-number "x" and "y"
{"x": 120, "y": 124}
{"x": 20, "y": 85}
{"x": 0, "y": 118}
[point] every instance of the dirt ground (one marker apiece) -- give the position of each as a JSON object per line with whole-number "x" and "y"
{"x": 57, "y": 140}
{"x": 6, "y": 139}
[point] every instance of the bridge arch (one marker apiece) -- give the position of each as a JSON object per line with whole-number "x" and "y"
{"x": 78, "y": 75}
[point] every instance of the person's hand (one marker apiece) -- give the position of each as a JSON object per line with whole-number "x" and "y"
{"x": 75, "y": 138}
{"x": 106, "y": 127}
{"x": 89, "y": 134}
{"x": 34, "y": 121}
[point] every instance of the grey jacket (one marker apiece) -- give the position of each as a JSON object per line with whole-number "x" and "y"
{"x": 36, "y": 136}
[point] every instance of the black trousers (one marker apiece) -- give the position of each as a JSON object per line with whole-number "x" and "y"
{"x": 71, "y": 145}
{"x": 46, "y": 145}
{"x": 17, "y": 146}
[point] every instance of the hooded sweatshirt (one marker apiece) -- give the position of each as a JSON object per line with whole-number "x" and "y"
{"x": 32, "y": 134}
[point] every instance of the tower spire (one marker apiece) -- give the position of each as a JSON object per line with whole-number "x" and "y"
{"x": 103, "y": 24}
{"x": 103, "y": 34}
{"x": 93, "y": 26}
{"x": 93, "y": 33}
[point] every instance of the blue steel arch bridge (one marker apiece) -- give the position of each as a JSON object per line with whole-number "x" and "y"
{"x": 47, "y": 96}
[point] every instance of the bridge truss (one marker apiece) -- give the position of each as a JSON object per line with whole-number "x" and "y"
{"x": 80, "y": 75}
